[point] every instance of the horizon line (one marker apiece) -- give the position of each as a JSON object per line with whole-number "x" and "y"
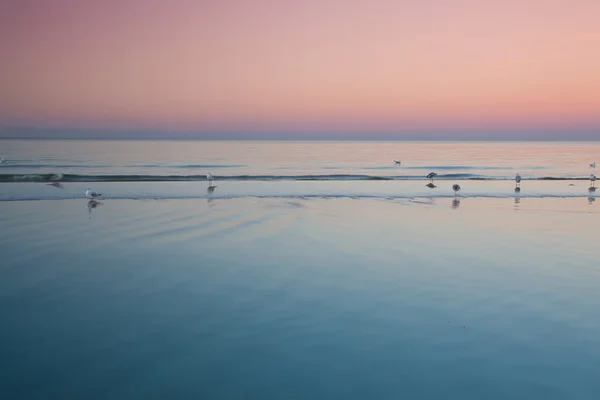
{"x": 180, "y": 139}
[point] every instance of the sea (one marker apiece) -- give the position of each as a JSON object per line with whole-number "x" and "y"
{"x": 304, "y": 270}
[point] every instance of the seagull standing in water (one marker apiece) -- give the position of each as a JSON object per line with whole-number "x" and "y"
{"x": 209, "y": 178}
{"x": 431, "y": 175}
{"x": 2, "y": 160}
{"x": 92, "y": 195}
{"x": 456, "y": 188}
{"x": 593, "y": 180}
{"x": 518, "y": 182}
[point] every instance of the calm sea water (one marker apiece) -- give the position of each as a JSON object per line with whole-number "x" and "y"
{"x": 162, "y": 161}
{"x": 286, "y": 288}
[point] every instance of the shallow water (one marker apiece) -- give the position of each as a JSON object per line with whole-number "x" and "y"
{"x": 287, "y": 289}
{"x": 304, "y": 298}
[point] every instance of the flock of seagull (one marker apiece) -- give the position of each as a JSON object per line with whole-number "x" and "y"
{"x": 93, "y": 196}
{"x": 431, "y": 176}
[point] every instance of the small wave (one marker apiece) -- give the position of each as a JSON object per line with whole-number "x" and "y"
{"x": 176, "y": 178}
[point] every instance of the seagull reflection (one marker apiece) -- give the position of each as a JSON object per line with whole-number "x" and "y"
{"x": 591, "y": 200}
{"x": 430, "y": 185}
{"x": 455, "y": 203}
{"x": 210, "y": 190}
{"x": 56, "y": 185}
{"x": 93, "y": 204}
{"x": 517, "y": 200}
{"x": 592, "y": 189}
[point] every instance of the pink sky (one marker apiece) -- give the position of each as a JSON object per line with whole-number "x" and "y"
{"x": 352, "y": 65}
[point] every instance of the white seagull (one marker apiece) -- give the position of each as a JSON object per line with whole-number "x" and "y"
{"x": 593, "y": 179}
{"x": 2, "y": 160}
{"x": 518, "y": 182}
{"x": 92, "y": 195}
{"x": 431, "y": 175}
{"x": 209, "y": 178}
{"x": 456, "y": 188}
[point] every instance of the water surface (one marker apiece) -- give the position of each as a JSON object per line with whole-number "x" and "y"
{"x": 338, "y": 289}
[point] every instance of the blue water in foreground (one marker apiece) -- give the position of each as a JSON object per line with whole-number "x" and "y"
{"x": 288, "y": 289}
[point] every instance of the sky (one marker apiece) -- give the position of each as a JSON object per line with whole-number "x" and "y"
{"x": 282, "y": 69}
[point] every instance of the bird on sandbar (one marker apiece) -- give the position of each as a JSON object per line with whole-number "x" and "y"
{"x": 518, "y": 183}
{"x": 593, "y": 180}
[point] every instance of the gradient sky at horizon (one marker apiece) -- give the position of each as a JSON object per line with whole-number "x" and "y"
{"x": 302, "y": 66}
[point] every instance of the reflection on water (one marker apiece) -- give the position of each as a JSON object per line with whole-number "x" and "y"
{"x": 93, "y": 204}
{"x": 431, "y": 185}
{"x": 56, "y": 185}
{"x": 455, "y": 203}
{"x": 517, "y": 189}
{"x": 210, "y": 190}
{"x": 592, "y": 189}
{"x": 233, "y": 294}
{"x": 591, "y": 200}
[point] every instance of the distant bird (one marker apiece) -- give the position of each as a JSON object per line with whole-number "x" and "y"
{"x": 2, "y": 160}
{"x": 431, "y": 175}
{"x": 397, "y": 162}
{"x": 518, "y": 182}
{"x": 92, "y": 195}
{"x": 593, "y": 180}
{"x": 593, "y": 165}
{"x": 56, "y": 177}
{"x": 209, "y": 178}
{"x": 456, "y": 188}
